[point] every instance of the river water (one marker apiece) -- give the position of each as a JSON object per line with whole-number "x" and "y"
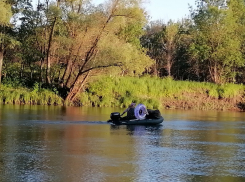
{"x": 48, "y": 143}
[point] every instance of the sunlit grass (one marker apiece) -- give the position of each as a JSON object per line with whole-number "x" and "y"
{"x": 11, "y": 95}
{"x": 121, "y": 91}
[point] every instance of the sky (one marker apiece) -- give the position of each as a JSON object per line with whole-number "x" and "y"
{"x": 166, "y": 9}
{"x": 169, "y": 9}
{"x": 163, "y": 9}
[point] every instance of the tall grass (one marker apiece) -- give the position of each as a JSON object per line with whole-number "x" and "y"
{"x": 121, "y": 91}
{"x": 11, "y": 95}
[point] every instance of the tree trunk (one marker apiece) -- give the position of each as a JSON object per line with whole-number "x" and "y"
{"x": 67, "y": 72}
{"x": 169, "y": 67}
{"x": 66, "y": 78}
{"x": 41, "y": 69}
{"x": 48, "y": 80}
{"x": 156, "y": 68}
{"x": 91, "y": 53}
{"x": 1, "y": 64}
{"x": 69, "y": 79}
{"x": 215, "y": 74}
{"x": 74, "y": 89}
{"x": 49, "y": 48}
{"x": 80, "y": 87}
{"x": 169, "y": 58}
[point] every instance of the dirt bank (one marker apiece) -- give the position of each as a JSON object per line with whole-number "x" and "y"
{"x": 203, "y": 102}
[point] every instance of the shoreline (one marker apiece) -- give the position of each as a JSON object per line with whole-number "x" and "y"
{"x": 191, "y": 104}
{"x": 154, "y": 93}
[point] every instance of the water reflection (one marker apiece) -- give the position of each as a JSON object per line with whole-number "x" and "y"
{"x": 76, "y": 144}
{"x": 144, "y": 130}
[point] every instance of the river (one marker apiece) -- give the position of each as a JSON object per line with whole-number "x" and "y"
{"x": 56, "y": 144}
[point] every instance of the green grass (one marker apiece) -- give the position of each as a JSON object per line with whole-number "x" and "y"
{"x": 121, "y": 91}
{"x": 12, "y": 95}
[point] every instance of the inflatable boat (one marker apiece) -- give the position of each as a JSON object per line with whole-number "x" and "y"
{"x": 146, "y": 121}
{"x": 153, "y": 117}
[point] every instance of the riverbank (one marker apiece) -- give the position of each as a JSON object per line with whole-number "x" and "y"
{"x": 163, "y": 93}
{"x": 34, "y": 96}
{"x": 155, "y": 93}
{"x": 199, "y": 101}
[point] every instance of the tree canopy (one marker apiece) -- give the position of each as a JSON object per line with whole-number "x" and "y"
{"x": 62, "y": 44}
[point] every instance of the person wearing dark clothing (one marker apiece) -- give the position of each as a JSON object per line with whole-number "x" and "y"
{"x": 129, "y": 111}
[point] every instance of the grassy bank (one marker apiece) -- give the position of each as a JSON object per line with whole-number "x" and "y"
{"x": 20, "y": 95}
{"x": 163, "y": 93}
{"x": 152, "y": 91}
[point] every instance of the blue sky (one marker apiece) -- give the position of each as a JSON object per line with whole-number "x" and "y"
{"x": 163, "y": 9}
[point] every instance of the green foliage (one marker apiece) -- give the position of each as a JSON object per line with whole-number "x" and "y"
{"x": 12, "y": 72}
{"x": 216, "y": 45}
{"x": 131, "y": 29}
{"x": 213, "y": 93}
{"x": 230, "y": 90}
{"x": 5, "y": 13}
{"x": 207, "y": 47}
{"x": 162, "y": 42}
{"x": 121, "y": 91}
{"x": 132, "y": 60}
{"x": 13, "y": 95}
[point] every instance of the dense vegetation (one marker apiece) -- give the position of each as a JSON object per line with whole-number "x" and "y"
{"x": 19, "y": 95}
{"x": 155, "y": 93}
{"x": 56, "y": 49}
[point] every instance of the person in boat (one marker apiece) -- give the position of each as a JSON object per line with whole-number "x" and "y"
{"x": 129, "y": 111}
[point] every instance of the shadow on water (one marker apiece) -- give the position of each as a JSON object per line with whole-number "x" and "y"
{"x": 142, "y": 130}
{"x": 139, "y": 130}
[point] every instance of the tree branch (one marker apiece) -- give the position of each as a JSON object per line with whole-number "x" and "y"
{"x": 104, "y": 66}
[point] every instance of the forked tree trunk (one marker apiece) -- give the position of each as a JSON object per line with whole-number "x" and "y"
{"x": 213, "y": 71}
{"x": 66, "y": 78}
{"x": 76, "y": 88}
{"x": 91, "y": 53}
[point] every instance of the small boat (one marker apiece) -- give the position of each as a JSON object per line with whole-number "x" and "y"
{"x": 138, "y": 121}
{"x": 154, "y": 118}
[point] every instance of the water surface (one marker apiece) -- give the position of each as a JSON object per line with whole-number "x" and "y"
{"x": 41, "y": 143}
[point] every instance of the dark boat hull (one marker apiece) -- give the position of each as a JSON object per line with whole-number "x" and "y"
{"x": 147, "y": 121}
